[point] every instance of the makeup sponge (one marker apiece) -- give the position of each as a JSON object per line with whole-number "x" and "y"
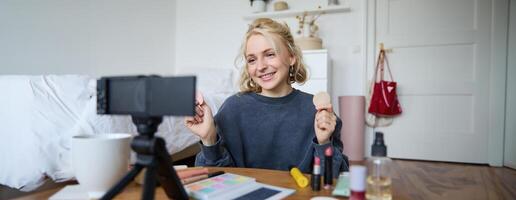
{"x": 322, "y": 101}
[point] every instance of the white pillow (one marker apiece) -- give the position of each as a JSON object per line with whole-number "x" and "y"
{"x": 34, "y": 117}
{"x": 21, "y": 162}
{"x": 59, "y": 101}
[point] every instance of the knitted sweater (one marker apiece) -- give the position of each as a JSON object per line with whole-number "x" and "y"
{"x": 255, "y": 131}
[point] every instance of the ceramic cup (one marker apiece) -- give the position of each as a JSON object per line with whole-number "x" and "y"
{"x": 258, "y": 6}
{"x": 100, "y": 161}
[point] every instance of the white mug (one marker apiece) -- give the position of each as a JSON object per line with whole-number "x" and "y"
{"x": 100, "y": 161}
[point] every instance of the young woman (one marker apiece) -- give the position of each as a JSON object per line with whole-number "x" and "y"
{"x": 268, "y": 124}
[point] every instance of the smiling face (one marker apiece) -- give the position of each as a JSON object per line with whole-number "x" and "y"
{"x": 269, "y": 67}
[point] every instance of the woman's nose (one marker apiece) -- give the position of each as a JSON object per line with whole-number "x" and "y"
{"x": 261, "y": 64}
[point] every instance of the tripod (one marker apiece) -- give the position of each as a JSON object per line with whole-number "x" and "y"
{"x": 151, "y": 154}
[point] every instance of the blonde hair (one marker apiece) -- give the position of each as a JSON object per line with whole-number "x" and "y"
{"x": 269, "y": 28}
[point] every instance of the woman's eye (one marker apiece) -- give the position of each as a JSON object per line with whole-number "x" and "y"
{"x": 271, "y": 54}
{"x": 250, "y": 61}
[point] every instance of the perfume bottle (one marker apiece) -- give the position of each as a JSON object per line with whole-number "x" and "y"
{"x": 378, "y": 168}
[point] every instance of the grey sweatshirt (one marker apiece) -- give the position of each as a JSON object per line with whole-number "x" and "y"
{"x": 255, "y": 131}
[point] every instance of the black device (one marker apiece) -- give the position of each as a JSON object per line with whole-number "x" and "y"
{"x": 147, "y": 99}
{"x": 146, "y": 96}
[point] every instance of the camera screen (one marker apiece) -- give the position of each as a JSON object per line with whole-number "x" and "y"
{"x": 146, "y": 96}
{"x": 127, "y": 96}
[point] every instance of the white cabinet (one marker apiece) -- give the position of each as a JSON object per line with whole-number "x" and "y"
{"x": 319, "y": 72}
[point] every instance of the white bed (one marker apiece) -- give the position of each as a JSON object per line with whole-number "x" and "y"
{"x": 40, "y": 114}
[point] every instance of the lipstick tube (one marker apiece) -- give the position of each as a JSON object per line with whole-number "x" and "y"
{"x": 316, "y": 174}
{"x": 328, "y": 171}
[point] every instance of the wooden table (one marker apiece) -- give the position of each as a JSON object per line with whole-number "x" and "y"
{"x": 410, "y": 180}
{"x": 272, "y": 177}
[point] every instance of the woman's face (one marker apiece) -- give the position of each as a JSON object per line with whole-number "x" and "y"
{"x": 268, "y": 68}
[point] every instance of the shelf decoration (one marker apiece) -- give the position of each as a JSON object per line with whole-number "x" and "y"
{"x": 292, "y": 13}
{"x": 307, "y": 31}
{"x": 258, "y": 6}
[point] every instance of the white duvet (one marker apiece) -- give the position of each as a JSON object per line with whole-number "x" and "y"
{"x": 40, "y": 114}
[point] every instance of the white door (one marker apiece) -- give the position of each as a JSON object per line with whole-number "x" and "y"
{"x": 441, "y": 60}
{"x": 510, "y": 126}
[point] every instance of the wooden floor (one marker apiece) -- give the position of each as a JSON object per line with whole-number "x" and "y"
{"x": 439, "y": 180}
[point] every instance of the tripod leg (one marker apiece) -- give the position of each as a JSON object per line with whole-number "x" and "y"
{"x": 149, "y": 185}
{"x": 167, "y": 175}
{"x": 122, "y": 183}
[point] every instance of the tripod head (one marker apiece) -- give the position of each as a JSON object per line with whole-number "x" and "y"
{"x": 147, "y": 100}
{"x": 147, "y": 126}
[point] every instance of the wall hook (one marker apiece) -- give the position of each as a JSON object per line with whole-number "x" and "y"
{"x": 382, "y": 48}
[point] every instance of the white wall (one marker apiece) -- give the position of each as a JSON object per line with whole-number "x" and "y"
{"x": 209, "y": 34}
{"x": 95, "y": 37}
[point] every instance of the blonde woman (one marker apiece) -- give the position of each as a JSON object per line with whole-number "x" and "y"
{"x": 268, "y": 124}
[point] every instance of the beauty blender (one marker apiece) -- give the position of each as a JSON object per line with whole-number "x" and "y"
{"x": 322, "y": 101}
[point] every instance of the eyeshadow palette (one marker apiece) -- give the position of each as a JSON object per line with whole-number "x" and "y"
{"x": 233, "y": 186}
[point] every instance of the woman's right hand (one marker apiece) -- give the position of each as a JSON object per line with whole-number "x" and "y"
{"x": 202, "y": 124}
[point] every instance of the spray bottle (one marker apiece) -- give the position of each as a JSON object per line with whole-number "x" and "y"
{"x": 378, "y": 168}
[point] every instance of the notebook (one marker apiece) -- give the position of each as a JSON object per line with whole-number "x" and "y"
{"x": 233, "y": 186}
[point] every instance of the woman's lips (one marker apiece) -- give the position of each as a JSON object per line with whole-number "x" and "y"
{"x": 267, "y": 77}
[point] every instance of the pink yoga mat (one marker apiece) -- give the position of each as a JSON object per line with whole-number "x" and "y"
{"x": 352, "y": 111}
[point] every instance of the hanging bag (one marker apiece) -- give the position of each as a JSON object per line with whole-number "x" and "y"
{"x": 371, "y": 119}
{"x": 384, "y": 99}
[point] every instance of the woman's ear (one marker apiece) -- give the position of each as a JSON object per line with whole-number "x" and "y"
{"x": 292, "y": 60}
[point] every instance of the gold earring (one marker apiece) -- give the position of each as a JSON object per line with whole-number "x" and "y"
{"x": 291, "y": 74}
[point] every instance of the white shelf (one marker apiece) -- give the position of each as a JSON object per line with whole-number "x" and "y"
{"x": 293, "y": 13}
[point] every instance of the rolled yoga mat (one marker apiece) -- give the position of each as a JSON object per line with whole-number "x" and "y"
{"x": 352, "y": 113}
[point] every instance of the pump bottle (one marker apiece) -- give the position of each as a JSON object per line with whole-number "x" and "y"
{"x": 378, "y": 169}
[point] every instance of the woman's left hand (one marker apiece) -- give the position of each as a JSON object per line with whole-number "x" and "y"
{"x": 324, "y": 124}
